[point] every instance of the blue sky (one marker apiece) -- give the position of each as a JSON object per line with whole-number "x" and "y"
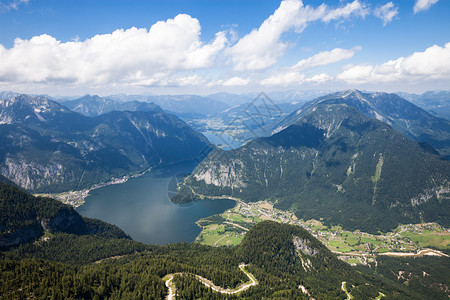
{"x": 106, "y": 47}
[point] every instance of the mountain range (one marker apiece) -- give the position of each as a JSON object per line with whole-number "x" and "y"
{"x": 45, "y": 147}
{"x": 412, "y": 121}
{"x": 332, "y": 163}
{"x": 93, "y": 106}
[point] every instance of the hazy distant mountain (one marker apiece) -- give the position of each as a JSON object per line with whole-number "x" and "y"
{"x": 178, "y": 104}
{"x": 292, "y": 96}
{"x": 337, "y": 164}
{"x": 92, "y": 106}
{"x": 232, "y": 99}
{"x": 435, "y": 102}
{"x": 46, "y": 147}
{"x": 402, "y": 115}
{"x": 7, "y": 94}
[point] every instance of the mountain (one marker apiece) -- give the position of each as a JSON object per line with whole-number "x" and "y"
{"x": 92, "y": 106}
{"x": 25, "y": 218}
{"x": 178, "y": 104}
{"x": 45, "y": 147}
{"x": 333, "y": 163}
{"x": 412, "y": 121}
{"x": 435, "y": 102}
{"x": 34, "y": 111}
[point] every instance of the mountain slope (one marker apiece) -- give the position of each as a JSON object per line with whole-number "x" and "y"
{"x": 25, "y": 218}
{"x": 303, "y": 267}
{"x": 336, "y": 164}
{"x": 47, "y": 148}
{"x": 412, "y": 121}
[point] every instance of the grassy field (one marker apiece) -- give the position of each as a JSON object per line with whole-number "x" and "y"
{"x": 439, "y": 240}
{"x": 220, "y": 235}
{"x": 354, "y": 261}
{"x": 339, "y": 245}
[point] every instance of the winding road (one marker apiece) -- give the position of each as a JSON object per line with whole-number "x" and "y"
{"x": 172, "y": 290}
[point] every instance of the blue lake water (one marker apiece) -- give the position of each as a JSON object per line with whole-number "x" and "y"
{"x": 142, "y": 208}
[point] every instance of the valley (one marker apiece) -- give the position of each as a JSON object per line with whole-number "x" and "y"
{"x": 353, "y": 247}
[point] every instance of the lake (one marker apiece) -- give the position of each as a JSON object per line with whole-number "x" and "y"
{"x": 142, "y": 208}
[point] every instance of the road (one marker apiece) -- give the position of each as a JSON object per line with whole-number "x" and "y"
{"x": 422, "y": 252}
{"x": 172, "y": 291}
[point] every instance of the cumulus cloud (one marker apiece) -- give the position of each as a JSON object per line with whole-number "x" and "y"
{"x": 325, "y": 58}
{"x": 353, "y": 8}
{"x": 386, "y": 12}
{"x": 124, "y": 56}
{"x": 421, "y": 5}
{"x": 261, "y": 48}
{"x": 236, "y": 81}
{"x": 284, "y": 79}
{"x": 433, "y": 63}
{"x": 293, "y": 75}
{"x": 319, "y": 78}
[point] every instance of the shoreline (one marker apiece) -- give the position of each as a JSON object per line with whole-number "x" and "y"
{"x": 76, "y": 198}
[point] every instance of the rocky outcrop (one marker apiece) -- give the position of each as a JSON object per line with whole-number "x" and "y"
{"x": 303, "y": 246}
{"x": 222, "y": 175}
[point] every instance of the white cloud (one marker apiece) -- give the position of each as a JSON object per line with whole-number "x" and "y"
{"x": 431, "y": 64}
{"x": 325, "y": 58}
{"x": 353, "y": 8}
{"x": 421, "y": 5}
{"x": 292, "y": 78}
{"x": 261, "y": 48}
{"x": 293, "y": 75}
{"x": 124, "y": 56}
{"x": 386, "y": 12}
{"x": 236, "y": 81}
{"x": 284, "y": 79}
{"x": 319, "y": 78}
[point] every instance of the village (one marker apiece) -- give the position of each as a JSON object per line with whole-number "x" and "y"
{"x": 354, "y": 247}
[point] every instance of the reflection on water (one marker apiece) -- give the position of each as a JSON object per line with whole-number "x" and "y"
{"x": 141, "y": 207}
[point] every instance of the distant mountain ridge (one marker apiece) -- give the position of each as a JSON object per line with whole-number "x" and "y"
{"x": 412, "y": 121}
{"x": 178, "y": 104}
{"x": 93, "y": 106}
{"x": 332, "y": 163}
{"x": 435, "y": 102}
{"x": 46, "y": 147}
